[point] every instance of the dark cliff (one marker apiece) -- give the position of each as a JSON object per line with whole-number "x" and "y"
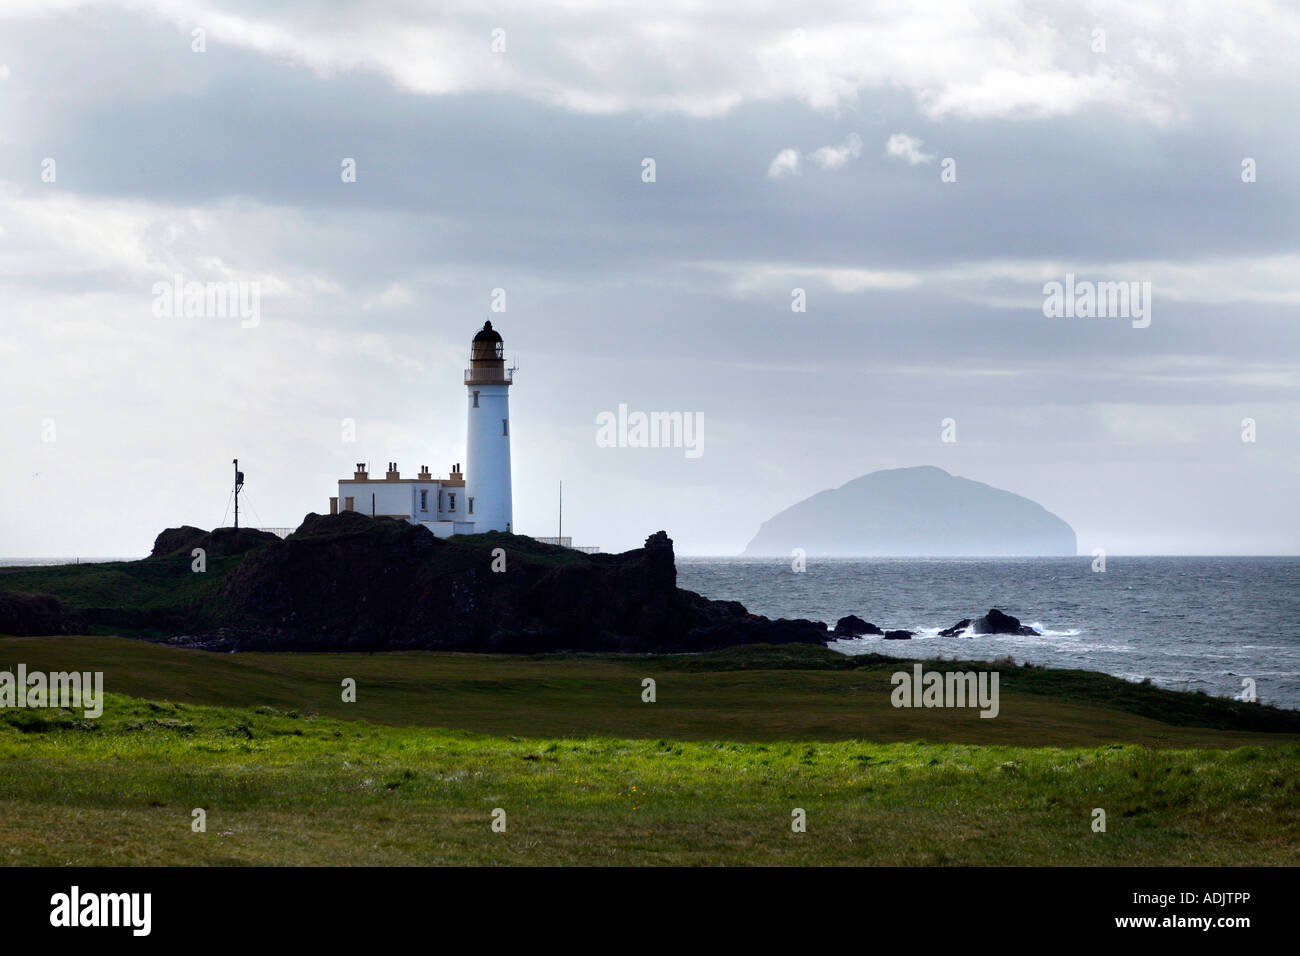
{"x": 351, "y": 582}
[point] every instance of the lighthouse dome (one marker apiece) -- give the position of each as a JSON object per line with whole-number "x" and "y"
{"x": 487, "y": 350}
{"x": 487, "y": 334}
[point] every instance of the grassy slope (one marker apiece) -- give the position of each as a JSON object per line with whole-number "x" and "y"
{"x": 141, "y": 585}
{"x": 744, "y": 694}
{"x": 289, "y": 788}
{"x": 589, "y": 774}
{"x": 169, "y": 583}
{"x": 156, "y": 597}
{"x": 162, "y": 586}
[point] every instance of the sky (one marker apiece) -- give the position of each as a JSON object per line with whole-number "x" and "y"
{"x": 823, "y": 231}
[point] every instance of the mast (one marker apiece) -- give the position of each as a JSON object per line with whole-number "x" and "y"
{"x": 239, "y": 484}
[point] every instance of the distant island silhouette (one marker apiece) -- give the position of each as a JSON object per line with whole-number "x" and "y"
{"x": 915, "y": 512}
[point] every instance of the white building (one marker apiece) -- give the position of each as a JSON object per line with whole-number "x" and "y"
{"x": 453, "y": 505}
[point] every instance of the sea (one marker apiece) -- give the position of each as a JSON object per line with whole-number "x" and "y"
{"x": 45, "y": 562}
{"x": 1185, "y": 623}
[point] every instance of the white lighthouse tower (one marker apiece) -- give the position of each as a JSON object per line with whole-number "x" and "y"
{"x": 487, "y": 462}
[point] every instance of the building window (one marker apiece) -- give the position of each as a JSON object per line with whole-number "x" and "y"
{"x": 476, "y": 398}
{"x": 505, "y": 427}
{"x": 424, "y": 501}
{"x": 471, "y": 505}
{"x": 349, "y": 503}
{"x": 452, "y": 496}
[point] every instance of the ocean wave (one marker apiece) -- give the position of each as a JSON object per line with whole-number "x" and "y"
{"x": 926, "y": 632}
{"x": 1048, "y": 632}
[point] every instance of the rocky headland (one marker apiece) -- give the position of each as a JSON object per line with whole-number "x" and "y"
{"x": 349, "y": 582}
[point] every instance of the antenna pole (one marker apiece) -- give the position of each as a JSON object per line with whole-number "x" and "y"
{"x": 561, "y": 531}
{"x": 236, "y": 492}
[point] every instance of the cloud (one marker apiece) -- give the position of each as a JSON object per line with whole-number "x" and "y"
{"x": 786, "y": 163}
{"x": 789, "y": 162}
{"x": 399, "y": 293}
{"x": 907, "y": 148}
{"x": 775, "y": 278}
{"x": 64, "y": 241}
{"x": 1002, "y": 59}
{"x": 521, "y": 170}
{"x": 833, "y": 157}
{"x": 1017, "y": 284}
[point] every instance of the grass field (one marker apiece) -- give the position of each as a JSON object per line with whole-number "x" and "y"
{"x": 588, "y": 773}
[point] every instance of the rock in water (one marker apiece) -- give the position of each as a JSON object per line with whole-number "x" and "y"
{"x": 922, "y": 512}
{"x": 995, "y": 622}
{"x": 957, "y": 629}
{"x": 898, "y": 635}
{"x": 854, "y": 626}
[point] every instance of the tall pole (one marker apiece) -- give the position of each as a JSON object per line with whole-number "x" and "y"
{"x": 236, "y": 492}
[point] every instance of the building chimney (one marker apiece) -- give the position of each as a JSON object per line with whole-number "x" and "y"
{"x": 361, "y": 474}
{"x": 393, "y": 473}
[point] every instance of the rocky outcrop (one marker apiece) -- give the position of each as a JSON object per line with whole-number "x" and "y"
{"x": 216, "y": 543}
{"x": 854, "y": 626}
{"x": 351, "y": 582}
{"x": 994, "y": 622}
{"x": 175, "y": 540}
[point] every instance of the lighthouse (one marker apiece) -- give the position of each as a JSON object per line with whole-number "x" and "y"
{"x": 487, "y": 446}
{"x": 465, "y": 502}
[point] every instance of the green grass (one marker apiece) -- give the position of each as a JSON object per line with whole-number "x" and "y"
{"x": 587, "y": 773}
{"x": 148, "y": 598}
{"x": 157, "y": 583}
{"x": 291, "y": 788}
{"x": 745, "y": 694}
